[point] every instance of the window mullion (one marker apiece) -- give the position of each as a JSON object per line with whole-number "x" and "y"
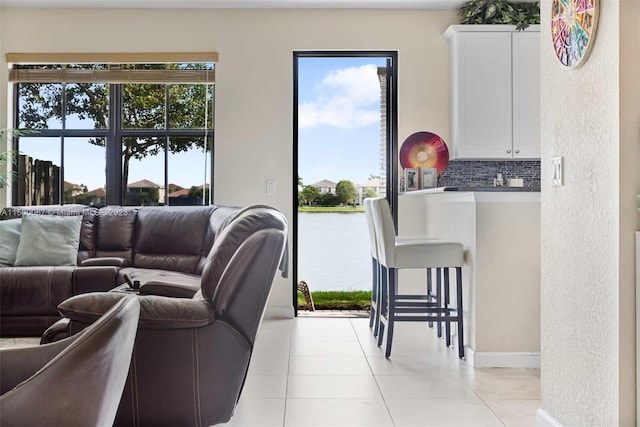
{"x": 115, "y": 194}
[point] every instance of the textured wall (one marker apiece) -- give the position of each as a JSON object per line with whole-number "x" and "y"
{"x": 587, "y": 286}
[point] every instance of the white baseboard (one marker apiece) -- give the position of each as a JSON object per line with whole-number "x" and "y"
{"x": 279, "y": 312}
{"x": 502, "y": 359}
{"x": 543, "y": 419}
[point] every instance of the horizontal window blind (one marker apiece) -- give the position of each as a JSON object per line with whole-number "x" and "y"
{"x": 22, "y": 75}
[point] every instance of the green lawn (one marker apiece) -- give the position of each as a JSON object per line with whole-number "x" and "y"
{"x": 338, "y": 300}
{"x": 330, "y": 209}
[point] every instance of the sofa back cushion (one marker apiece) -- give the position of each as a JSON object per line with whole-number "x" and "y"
{"x": 220, "y": 217}
{"x": 49, "y": 240}
{"x": 171, "y": 238}
{"x": 116, "y": 232}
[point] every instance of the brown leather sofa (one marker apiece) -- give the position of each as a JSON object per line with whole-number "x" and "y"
{"x": 191, "y": 355}
{"x": 164, "y": 248}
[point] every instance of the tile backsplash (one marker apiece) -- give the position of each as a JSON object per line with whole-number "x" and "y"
{"x": 481, "y": 173}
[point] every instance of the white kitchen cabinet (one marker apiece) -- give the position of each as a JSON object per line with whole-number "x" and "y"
{"x": 495, "y": 92}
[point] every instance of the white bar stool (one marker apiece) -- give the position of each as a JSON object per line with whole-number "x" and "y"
{"x": 377, "y": 271}
{"x": 394, "y": 254}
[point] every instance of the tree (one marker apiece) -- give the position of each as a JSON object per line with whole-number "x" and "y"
{"x": 327, "y": 199}
{"x": 143, "y": 107}
{"x": 369, "y": 193}
{"x": 309, "y": 194}
{"x": 196, "y": 191}
{"x": 346, "y": 192}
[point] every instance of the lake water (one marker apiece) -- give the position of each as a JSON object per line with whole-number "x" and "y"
{"x": 333, "y": 251}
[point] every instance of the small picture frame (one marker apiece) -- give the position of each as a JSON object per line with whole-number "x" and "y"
{"x": 411, "y": 178}
{"x": 428, "y": 178}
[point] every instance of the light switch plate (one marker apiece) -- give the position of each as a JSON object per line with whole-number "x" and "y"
{"x": 271, "y": 187}
{"x": 557, "y": 171}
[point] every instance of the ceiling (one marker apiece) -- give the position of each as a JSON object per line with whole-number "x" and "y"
{"x": 212, "y": 4}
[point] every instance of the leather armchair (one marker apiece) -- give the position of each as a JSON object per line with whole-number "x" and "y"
{"x": 191, "y": 355}
{"x": 74, "y": 382}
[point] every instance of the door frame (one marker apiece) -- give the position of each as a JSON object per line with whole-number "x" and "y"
{"x": 392, "y": 139}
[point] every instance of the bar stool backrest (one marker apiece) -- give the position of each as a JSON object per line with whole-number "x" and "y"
{"x": 373, "y": 244}
{"x": 385, "y": 231}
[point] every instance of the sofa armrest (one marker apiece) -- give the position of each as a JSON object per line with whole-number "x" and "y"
{"x": 94, "y": 279}
{"x": 155, "y": 312}
{"x": 168, "y": 289}
{"x": 110, "y": 261}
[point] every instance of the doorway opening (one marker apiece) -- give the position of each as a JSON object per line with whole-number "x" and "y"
{"x": 345, "y": 150}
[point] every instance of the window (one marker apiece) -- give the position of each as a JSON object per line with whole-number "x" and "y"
{"x": 116, "y": 133}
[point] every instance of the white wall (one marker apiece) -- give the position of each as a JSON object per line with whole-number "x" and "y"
{"x": 254, "y": 74}
{"x": 591, "y": 116}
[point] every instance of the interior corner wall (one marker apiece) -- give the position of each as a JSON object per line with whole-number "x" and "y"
{"x": 3, "y": 112}
{"x": 254, "y": 75}
{"x": 629, "y": 189}
{"x": 587, "y": 278}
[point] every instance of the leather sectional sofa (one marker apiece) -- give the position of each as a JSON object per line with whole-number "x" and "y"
{"x": 163, "y": 248}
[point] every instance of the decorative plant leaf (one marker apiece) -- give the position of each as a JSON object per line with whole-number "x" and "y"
{"x": 499, "y": 12}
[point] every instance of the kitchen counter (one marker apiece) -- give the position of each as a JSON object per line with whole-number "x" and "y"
{"x": 500, "y": 231}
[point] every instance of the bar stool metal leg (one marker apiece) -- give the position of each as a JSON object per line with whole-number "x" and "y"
{"x": 439, "y": 298}
{"x": 384, "y": 302}
{"x": 446, "y": 306}
{"x": 430, "y": 295}
{"x": 374, "y": 312}
{"x": 391, "y": 310}
{"x": 459, "y": 312}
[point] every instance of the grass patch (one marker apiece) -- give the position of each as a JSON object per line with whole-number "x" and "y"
{"x": 338, "y": 300}
{"x": 330, "y": 209}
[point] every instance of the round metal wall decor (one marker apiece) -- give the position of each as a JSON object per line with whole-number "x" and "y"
{"x": 573, "y": 30}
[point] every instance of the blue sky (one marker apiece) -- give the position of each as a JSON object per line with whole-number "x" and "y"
{"x": 338, "y": 119}
{"x": 338, "y": 137}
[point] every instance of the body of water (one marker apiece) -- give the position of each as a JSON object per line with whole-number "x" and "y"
{"x": 333, "y": 251}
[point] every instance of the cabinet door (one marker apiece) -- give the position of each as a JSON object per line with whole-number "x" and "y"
{"x": 482, "y": 122}
{"x": 526, "y": 94}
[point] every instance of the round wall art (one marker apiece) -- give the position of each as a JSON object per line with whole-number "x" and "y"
{"x": 424, "y": 150}
{"x": 573, "y": 30}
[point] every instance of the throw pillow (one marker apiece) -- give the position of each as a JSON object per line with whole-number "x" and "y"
{"x": 9, "y": 241}
{"x": 49, "y": 240}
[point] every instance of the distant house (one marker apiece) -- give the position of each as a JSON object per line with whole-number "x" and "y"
{"x": 144, "y": 192}
{"x": 374, "y": 185}
{"x": 71, "y": 190}
{"x": 184, "y": 192}
{"x": 182, "y": 197}
{"x": 97, "y": 197}
{"x": 325, "y": 186}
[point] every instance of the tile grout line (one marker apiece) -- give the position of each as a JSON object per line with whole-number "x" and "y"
{"x": 486, "y": 404}
{"x": 286, "y": 387}
{"x": 384, "y": 401}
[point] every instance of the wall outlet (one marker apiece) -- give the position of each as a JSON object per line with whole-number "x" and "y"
{"x": 557, "y": 171}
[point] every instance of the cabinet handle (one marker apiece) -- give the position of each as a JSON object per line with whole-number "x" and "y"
{"x": 517, "y": 151}
{"x": 509, "y": 151}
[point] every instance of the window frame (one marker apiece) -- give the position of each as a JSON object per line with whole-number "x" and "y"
{"x": 113, "y": 135}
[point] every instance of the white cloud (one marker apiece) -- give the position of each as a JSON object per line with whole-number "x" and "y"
{"x": 346, "y": 98}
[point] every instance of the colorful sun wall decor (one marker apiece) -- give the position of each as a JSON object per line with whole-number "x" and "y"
{"x": 424, "y": 150}
{"x": 573, "y": 30}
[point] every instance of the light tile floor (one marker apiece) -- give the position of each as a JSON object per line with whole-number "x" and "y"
{"x": 329, "y": 372}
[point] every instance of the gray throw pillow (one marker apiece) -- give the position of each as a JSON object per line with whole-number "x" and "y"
{"x": 9, "y": 241}
{"x": 49, "y": 240}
